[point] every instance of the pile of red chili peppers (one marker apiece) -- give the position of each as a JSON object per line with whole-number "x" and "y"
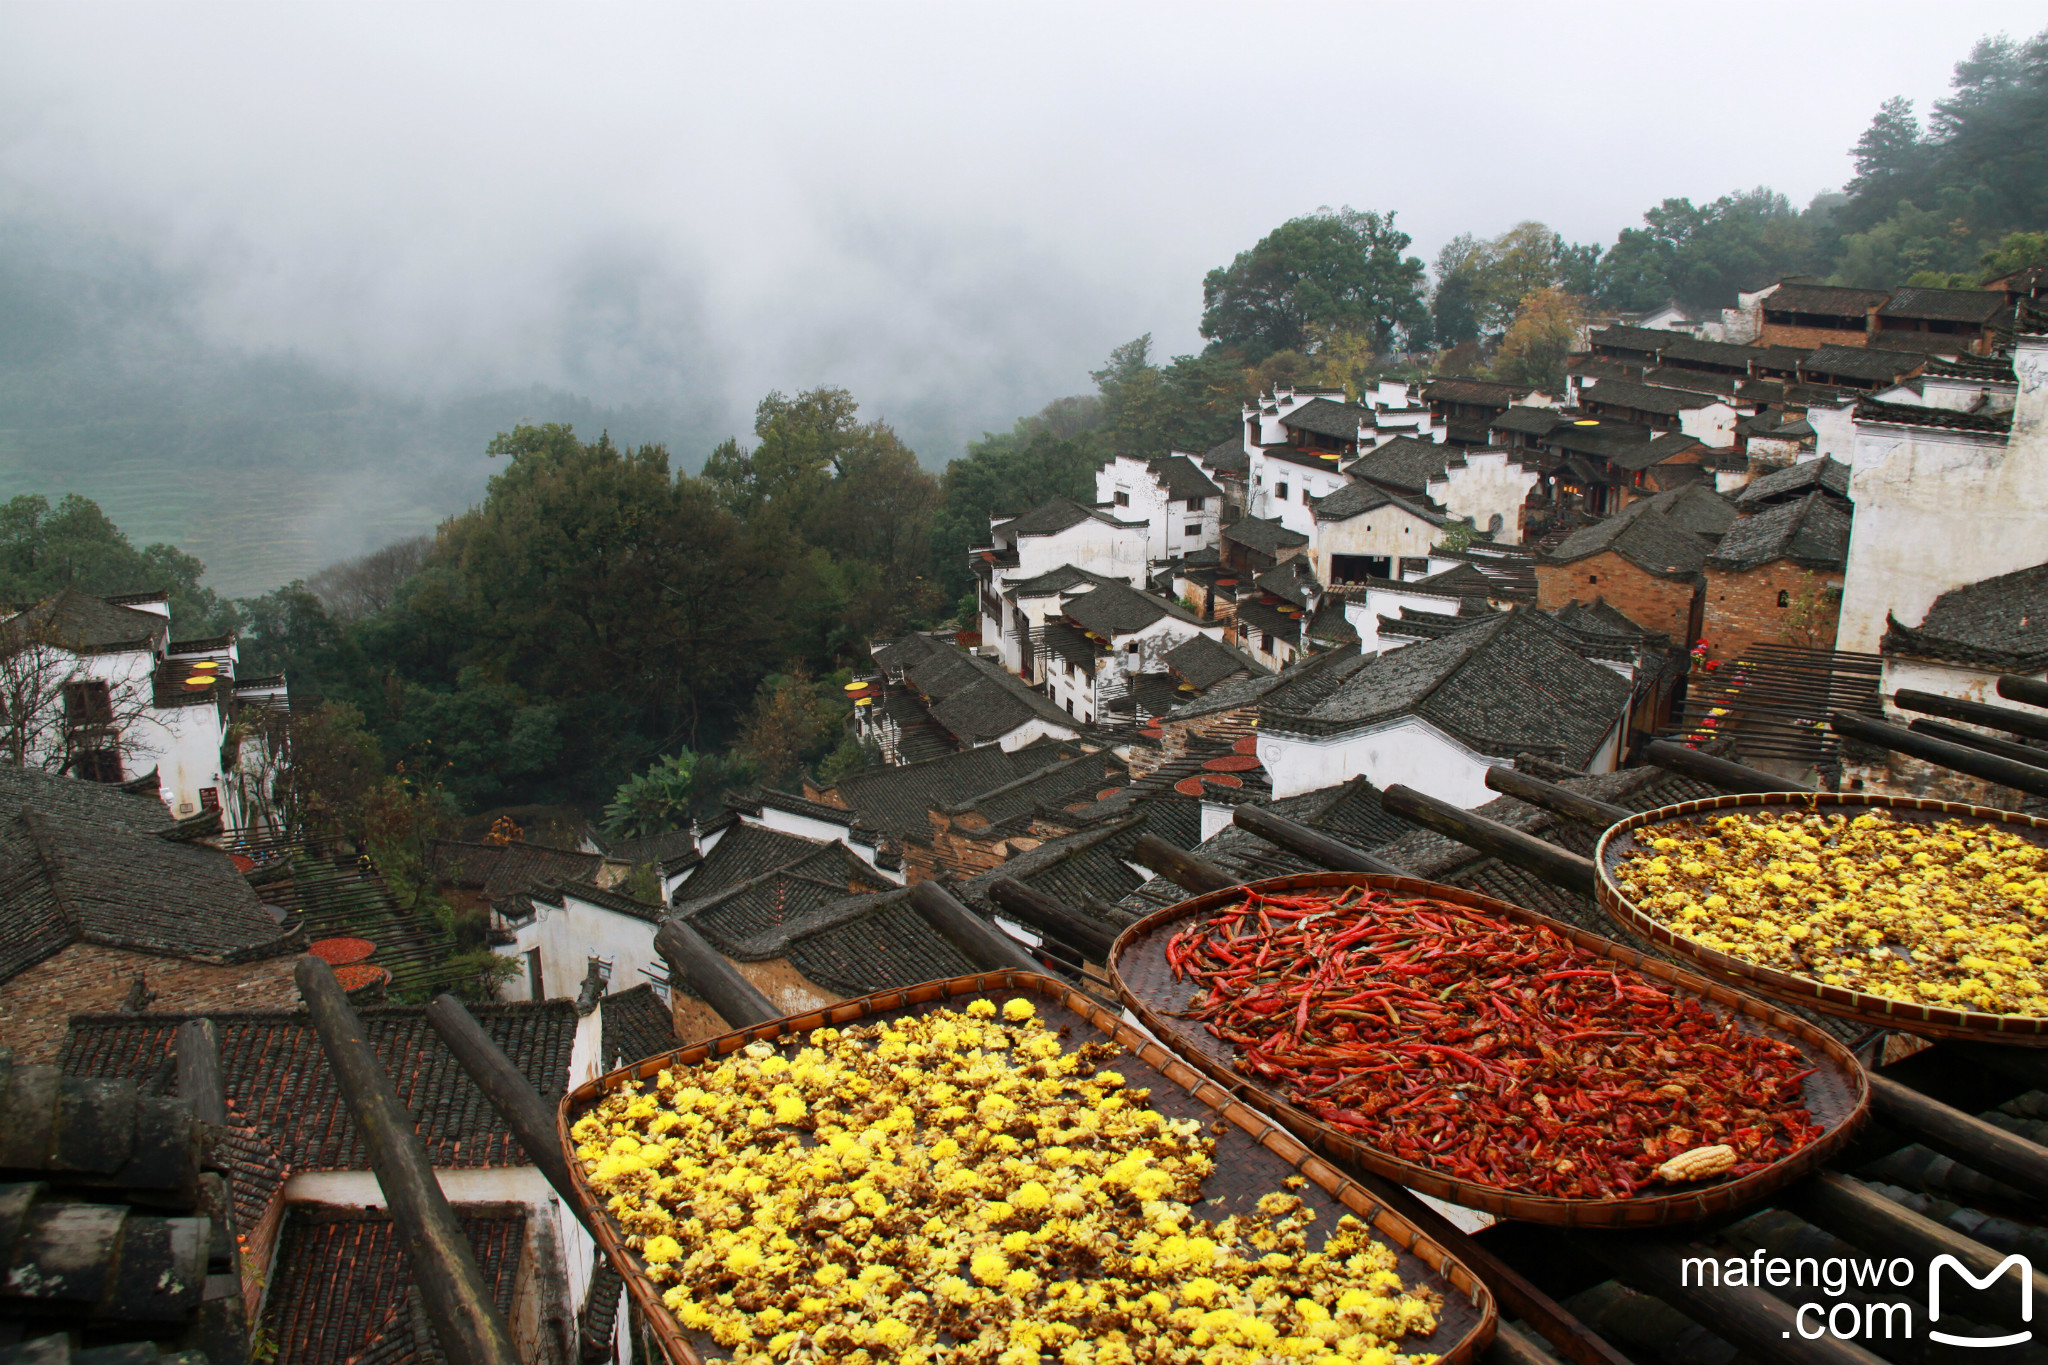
{"x": 1487, "y": 1049}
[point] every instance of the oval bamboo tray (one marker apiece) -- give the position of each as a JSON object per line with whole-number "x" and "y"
{"x": 1836, "y": 1094}
{"x": 1875, "y": 1010}
{"x": 1253, "y": 1154}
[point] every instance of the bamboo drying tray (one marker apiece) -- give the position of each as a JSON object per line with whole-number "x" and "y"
{"x": 1875, "y": 1010}
{"x": 1253, "y": 1154}
{"x": 1835, "y": 1094}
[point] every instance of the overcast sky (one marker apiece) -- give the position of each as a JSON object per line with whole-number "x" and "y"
{"x": 953, "y": 210}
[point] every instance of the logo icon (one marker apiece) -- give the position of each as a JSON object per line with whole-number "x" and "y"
{"x": 1990, "y": 1277}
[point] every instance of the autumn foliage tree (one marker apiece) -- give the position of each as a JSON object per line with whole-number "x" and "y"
{"x": 1547, "y": 327}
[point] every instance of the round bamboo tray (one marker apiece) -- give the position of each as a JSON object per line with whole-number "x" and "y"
{"x": 1253, "y": 1155}
{"x": 1875, "y": 1010}
{"x": 1836, "y": 1094}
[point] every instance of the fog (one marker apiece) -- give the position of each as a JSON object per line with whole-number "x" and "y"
{"x": 955, "y": 211}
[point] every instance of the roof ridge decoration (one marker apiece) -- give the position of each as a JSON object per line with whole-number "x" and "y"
{"x": 1907, "y": 415}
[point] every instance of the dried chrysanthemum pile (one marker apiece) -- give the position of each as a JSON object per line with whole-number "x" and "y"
{"x": 1948, "y": 914}
{"x": 952, "y": 1186}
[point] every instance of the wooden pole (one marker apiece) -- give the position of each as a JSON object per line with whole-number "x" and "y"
{"x": 530, "y": 1117}
{"x": 1050, "y": 917}
{"x": 1973, "y": 712}
{"x": 1555, "y": 865}
{"x": 1983, "y": 743}
{"x": 199, "y": 1077}
{"x": 1979, "y": 1145}
{"x": 1861, "y": 1216}
{"x": 2031, "y": 691}
{"x": 987, "y": 947}
{"x": 458, "y": 1305}
{"x": 1179, "y": 866}
{"x": 1553, "y": 798}
{"x": 734, "y": 998}
{"x": 2022, "y": 777}
{"x": 1715, "y": 772}
{"x": 1311, "y": 844}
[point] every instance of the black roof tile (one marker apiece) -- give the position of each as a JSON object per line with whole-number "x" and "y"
{"x": 1908, "y": 415}
{"x": 1266, "y": 536}
{"x": 1796, "y": 481}
{"x": 1812, "y": 532}
{"x": 1999, "y": 623}
{"x": 1645, "y": 538}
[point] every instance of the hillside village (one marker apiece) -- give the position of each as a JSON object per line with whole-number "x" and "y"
{"x": 1823, "y": 493}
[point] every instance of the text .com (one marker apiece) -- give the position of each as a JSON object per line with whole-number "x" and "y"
{"x": 1866, "y": 1319}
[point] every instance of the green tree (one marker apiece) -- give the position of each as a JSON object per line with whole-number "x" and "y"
{"x": 1337, "y": 268}
{"x": 1147, "y": 411}
{"x": 1481, "y": 283}
{"x": 792, "y": 724}
{"x": 1007, "y": 472}
{"x": 667, "y": 794}
{"x": 2016, "y": 251}
{"x": 1702, "y": 256}
{"x": 1547, "y": 328}
{"x": 44, "y": 550}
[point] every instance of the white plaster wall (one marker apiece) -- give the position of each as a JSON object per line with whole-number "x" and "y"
{"x": 1834, "y": 431}
{"x": 1293, "y": 513}
{"x": 1407, "y": 749}
{"x": 1938, "y": 509}
{"x": 1491, "y": 484}
{"x": 1035, "y": 729}
{"x": 809, "y": 827}
{"x": 1946, "y": 680}
{"x": 1713, "y": 424}
{"x": 1215, "y": 819}
{"x": 1364, "y": 614}
{"x": 1383, "y": 531}
{"x": 1113, "y": 551}
{"x": 182, "y": 743}
{"x": 568, "y": 937}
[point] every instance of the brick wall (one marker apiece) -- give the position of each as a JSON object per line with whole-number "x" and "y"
{"x": 1810, "y": 338}
{"x": 87, "y": 978}
{"x": 1651, "y": 602}
{"x": 1742, "y": 608}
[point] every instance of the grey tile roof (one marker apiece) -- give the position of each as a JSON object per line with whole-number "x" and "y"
{"x": 1999, "y": 623}
{"x": 1527, "y": 421}
{"x": 1053, "y": 786}
{"x": 738, "y": 917}
{"x": 64, "y": 879}
{"x": 977, "y": 699}
{"x": 1647, "y": 397}
{"x": 1622, "y": 337}
{"x": 1261, "y": 616}
{"x": 900, "y": 799}
{"x": 506, "y": 870}
{"x": 100, "y": 803}
{"x": 1600, "y": 617}
{"x": 603, "y": 897}
{"x": 1054, "y": 582}
{"x": 1227, "y": 457}
{"x": 1359, "y": 497}
{"x": 906, "y": 652}
{"x": 870, "y": 944}
{"x": 1907, "y": 415}
{"x": 1797, "y": 481}
{"x": 1403, "y": 463}
{"x": 1264, "y": 535}
{"x": 1945, "y": 305}
{"x": 633, "y": 1024}
{"x": 1812, "y": 532}
{"x": 743, "y": 852}
{"x": 1206, "y": 662}
{"x": 82, "y": 622}
{"x": 660, "y": 849}
{"x": 1824, "y": 300}
{"x": 1118, "y": 609}
{"x": 1339, "y": 421}
{"x": 1182, "y": 479}
{"x": 1512, "y": 682}
{"x": 1053, "y": 516}
{"x": 1622, "y": 444}
{"x": 1692, "y": 350}
{"x": 1477, "y": 392}
{"x": 1646, "y": 539}
{"x": 1460, "y": 580}
{"x": 275, "y": 1072}
{"x": 1693, "y": 507}
{"x": 1860, "y": 362}
{"x": 798, "y": 805}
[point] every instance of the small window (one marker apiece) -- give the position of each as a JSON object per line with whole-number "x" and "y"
{"x": 533, "y": 976}
{"x": 1266, "y": 641}
{"x": 1132, "y": 646}
{"x": 1192, "y": 532}
{"x": 88, "y": 703}
{"x": 1784, "y": 598}
{"x": 1281, "y": 490}
{"x": 99, "y": 765}
{"x": 1197, "y": 504}
{"x": 1592, "y": 578}
{"x": 1304, "y": 496}
{"x": 1123, "y": 499}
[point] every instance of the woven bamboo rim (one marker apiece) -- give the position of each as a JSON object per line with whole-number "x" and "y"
{"x": 1389, "y": 1225}
{"x": 1653, "y": 1210}
{"x": 2017, "y": 1030}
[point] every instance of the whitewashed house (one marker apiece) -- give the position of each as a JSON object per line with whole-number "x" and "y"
{"x": 1437, "y": 714}
{"x": 97, "y": 688}
{"x": 1057, "y": 534}
{"x": 1485, "y": 485}
{"x": 1361, "y": 532}
{"x": 1443, "y": 594}
{"x": 1180, "y": 504}
{"x": 1943, "y": 499}
{"x": 1105, "y": 653}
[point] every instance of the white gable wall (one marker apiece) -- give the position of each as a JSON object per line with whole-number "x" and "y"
{"x": 568, "y": 936}
{"x": 1364, "y": 614}
{"x": 1406, "y": 749}
{"x": 1387, "y": 531}
{"x": 1281, "y": 489}
{"x": 1491, "y": 484}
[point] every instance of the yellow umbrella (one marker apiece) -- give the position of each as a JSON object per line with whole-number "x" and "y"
{"x": 857, "y": 686}
{"x": 206, "y": 663}
{"x": 865, "y": 701}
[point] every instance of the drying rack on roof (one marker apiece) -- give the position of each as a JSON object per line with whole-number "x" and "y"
{"x": 1773, "y": 702}
{"x": 342, "y": 896}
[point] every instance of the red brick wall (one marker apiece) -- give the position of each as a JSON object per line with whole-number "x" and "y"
{"x": 1651, "y": 602}
{"x": 1742, "y": 608}
{"x": 89, "y": 979}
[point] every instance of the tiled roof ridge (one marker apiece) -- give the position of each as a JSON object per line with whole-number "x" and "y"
{"x": 603, "y": 897}
{"x": 1062, "y": 765}
{"x": 1905, "y": 414}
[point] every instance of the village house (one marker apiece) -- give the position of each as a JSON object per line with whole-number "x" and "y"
{"x": 1641, "y": 562}
{"x": 1057, "y": 534}
{"x": 1286, "y": 479}
{"x": 936, "y": 696}
{"x": 1917, "y": 318}
{"x": 320, "y": 1259}
{"x": 1437, "y": 714}
{"x": 106, "y": 902}
{"x": 1463, "y": 408}
{"x": 1776, "y": 575}
{"x": 1795, "y": 482}
{"x": 1706, "y": 417}
{"x": 1364, "y": 532}
{"x": 1179, "y": 504}
{"x": 1795, "y": 313}
{"x": 1963, "y": 384}
{"x": 1256, "y": 544}
{"x": 96, "y": 687}
{"x": 1487, "y": 486}
{"x": 1970, "y": 636}
{"x": 1439, "y": 594}
{"x": 1107, "y": 644}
